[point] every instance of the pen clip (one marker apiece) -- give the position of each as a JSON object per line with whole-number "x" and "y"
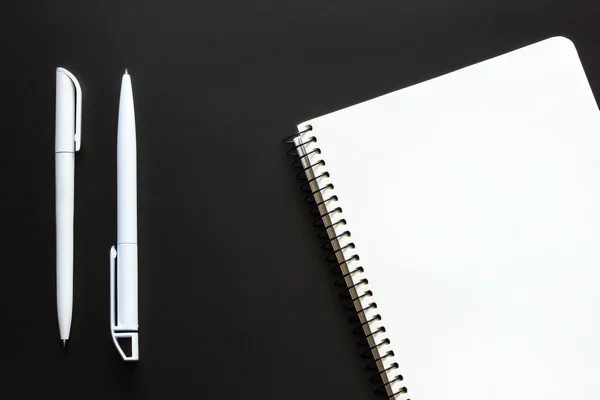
{"x": 113, "y": 319}
{"x": 77, "y": 136}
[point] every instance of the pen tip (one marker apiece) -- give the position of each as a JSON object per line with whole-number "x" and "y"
{"x": 125, "y": 70}
{"x": 64, "y": 342}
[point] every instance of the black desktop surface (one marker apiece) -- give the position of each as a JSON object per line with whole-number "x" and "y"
{"x": 235, "y": 298}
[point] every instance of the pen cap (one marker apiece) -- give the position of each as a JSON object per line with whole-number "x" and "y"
{"x": 68, "y": 112}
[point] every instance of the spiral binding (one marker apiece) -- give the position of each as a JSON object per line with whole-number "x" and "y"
{"x": 307, "y": 159}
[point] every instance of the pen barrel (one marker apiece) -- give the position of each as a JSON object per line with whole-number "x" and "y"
{"x": 65, "y": 196}
{"x": 65, "y": 114}
{"x": 126, "y": 167}
{"x": 127, "y": 287}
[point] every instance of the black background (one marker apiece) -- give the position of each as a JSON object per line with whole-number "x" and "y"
{"x": 235, "y": 298}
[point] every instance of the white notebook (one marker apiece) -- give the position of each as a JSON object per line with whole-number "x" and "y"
{"x": 473, "y": 205}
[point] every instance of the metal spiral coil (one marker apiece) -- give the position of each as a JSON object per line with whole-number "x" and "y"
{"x": 350, "y": 279}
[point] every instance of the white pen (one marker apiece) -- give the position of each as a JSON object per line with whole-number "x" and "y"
{"x": 68, "y": 141}
{"x": 124, "y": 275}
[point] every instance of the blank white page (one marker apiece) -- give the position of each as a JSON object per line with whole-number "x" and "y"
{"x": 473, "y": 200}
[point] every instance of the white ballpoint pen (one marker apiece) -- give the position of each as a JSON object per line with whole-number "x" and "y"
{"x": 68, "y": 141}
{"x": 124, "y": 259}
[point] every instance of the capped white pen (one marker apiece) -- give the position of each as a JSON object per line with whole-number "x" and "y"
{"x": 124, "y": 258}
{"x": 67, "y": 142}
